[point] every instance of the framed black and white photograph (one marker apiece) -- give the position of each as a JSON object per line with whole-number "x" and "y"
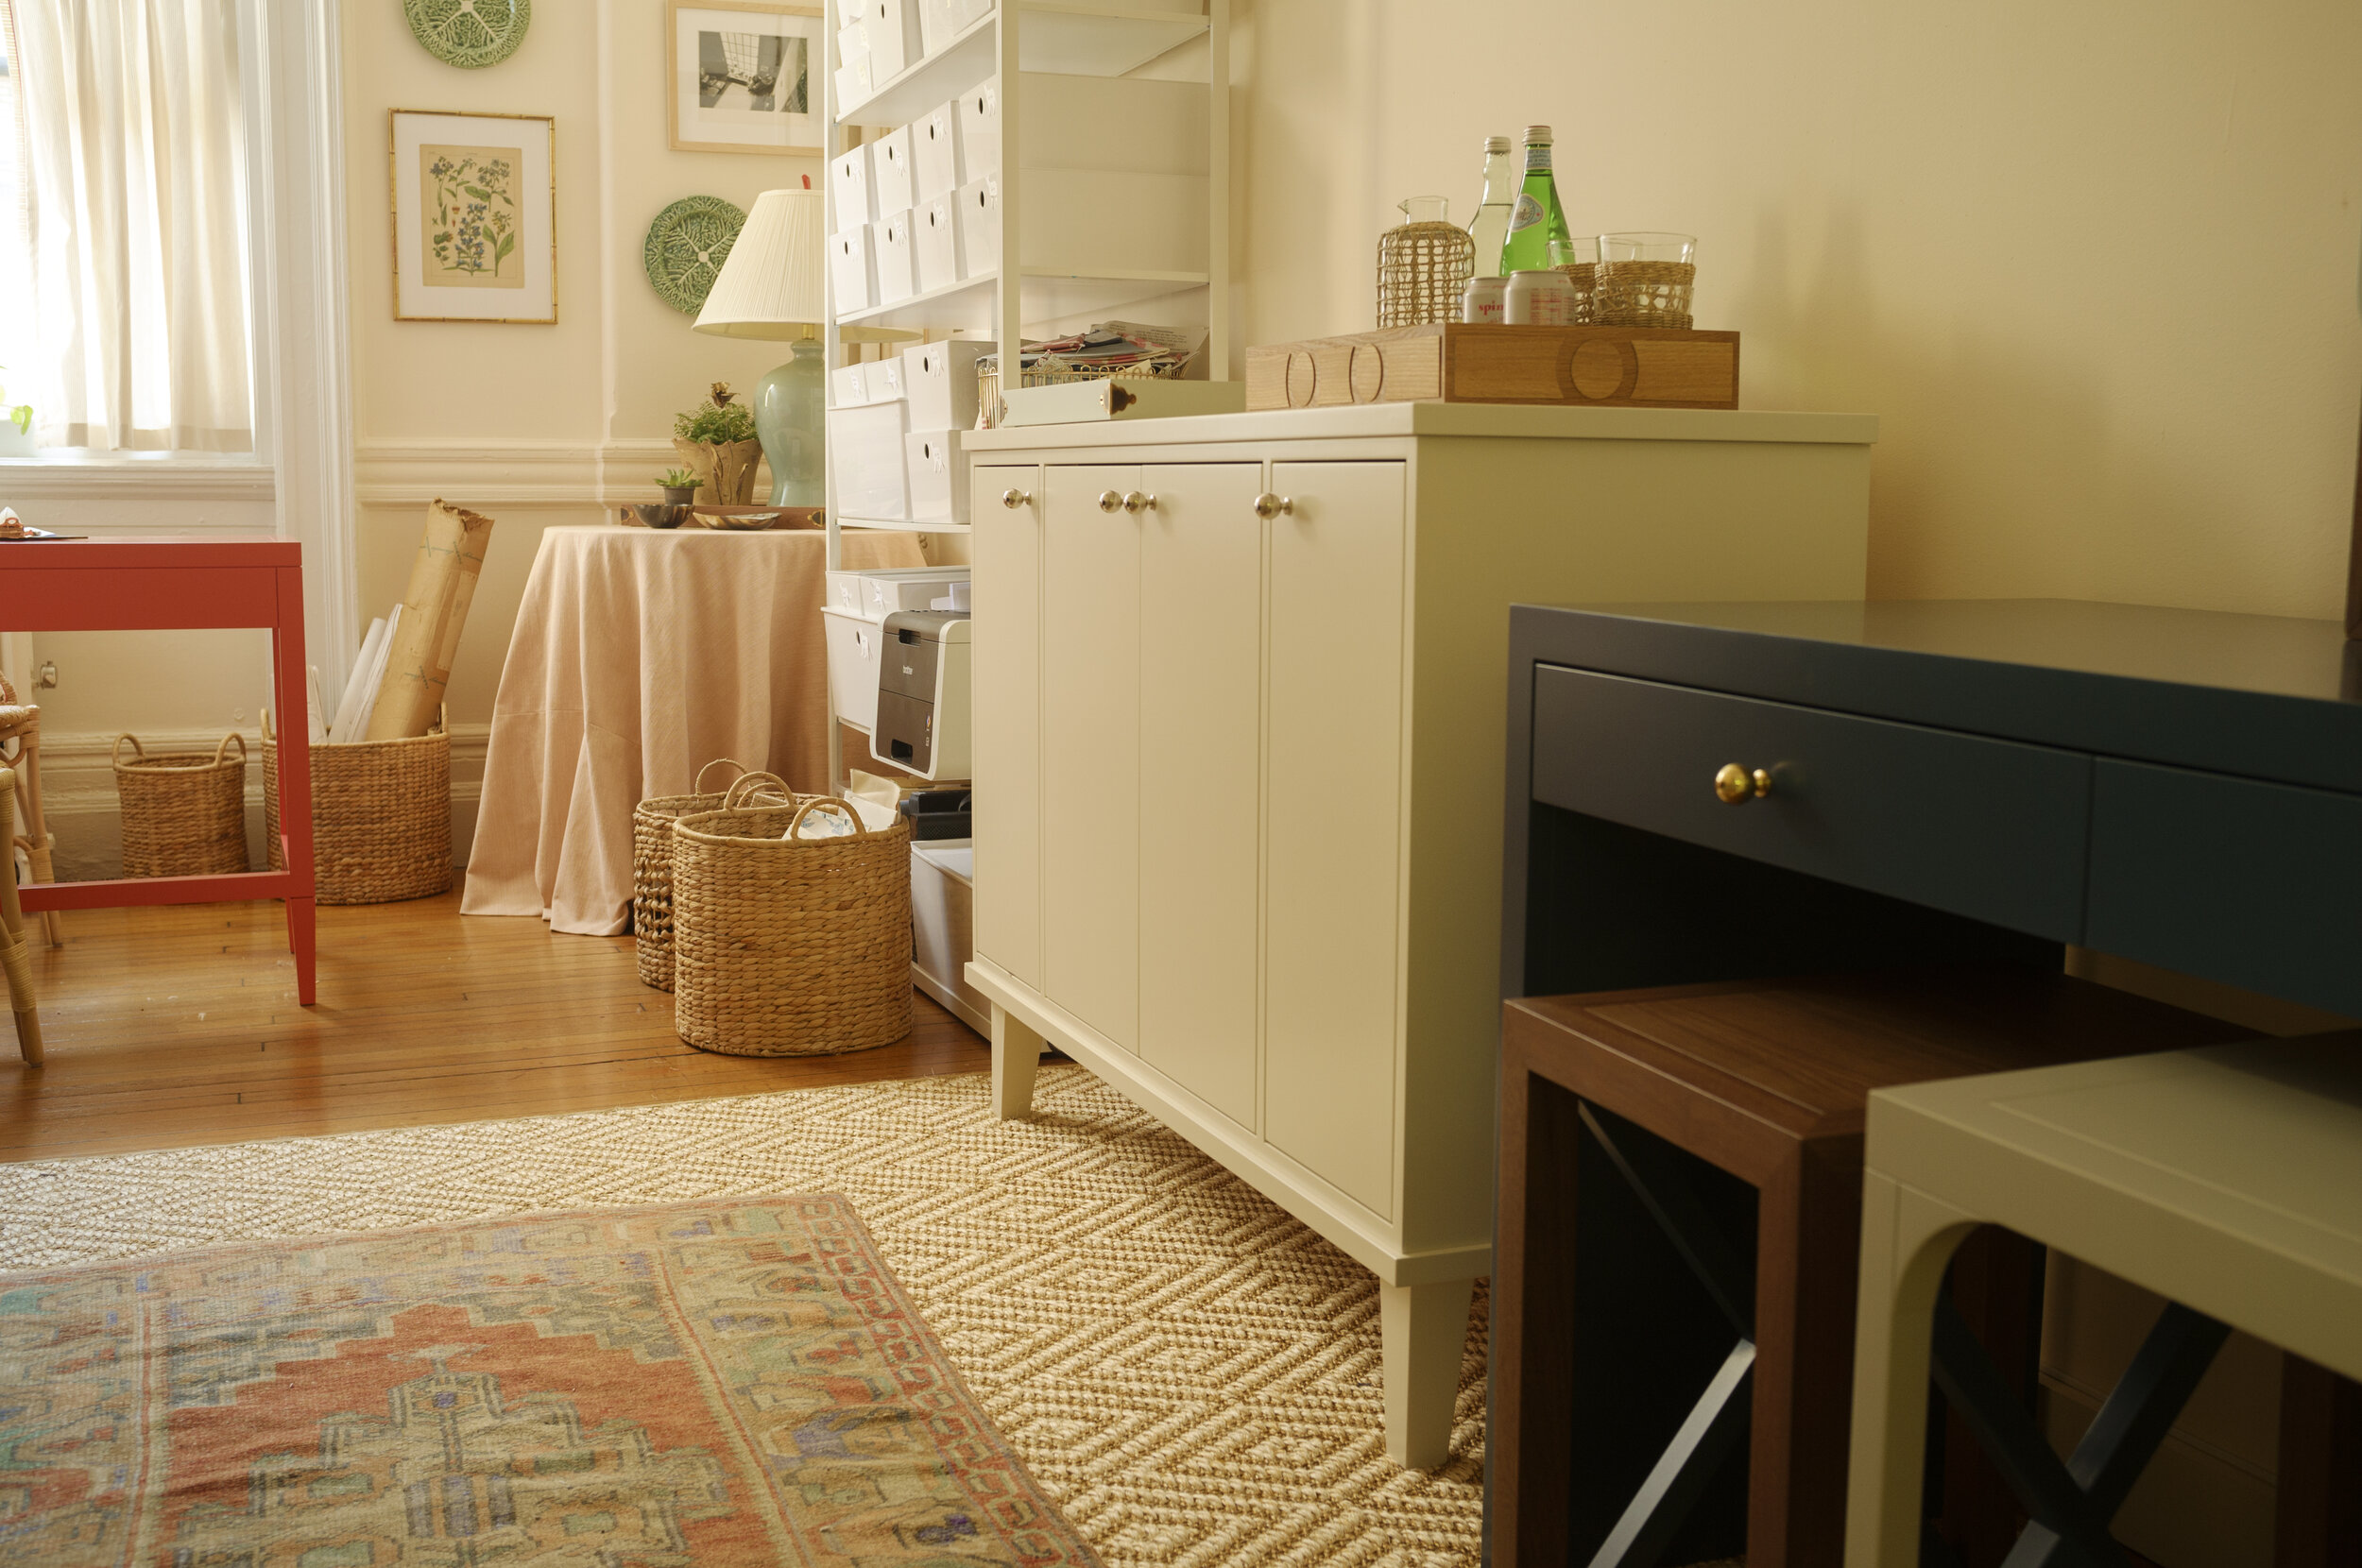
{"x": 476, "y": 217}
{"x": 742, "y": 75}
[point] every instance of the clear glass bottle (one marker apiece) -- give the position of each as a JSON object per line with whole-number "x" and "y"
{"x": 1490, "y": 227}
{"x": 1538, "y": 220}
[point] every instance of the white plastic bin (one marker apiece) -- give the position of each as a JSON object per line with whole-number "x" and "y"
{"x": 865, "y": 455}
{"x": 908, "y": 587}
{"x": 853, "y": 643}
{"x": 978, "y": 110}
{"x": 848, "y": 188}
{"x": 939, "y": 379}
{"x": 851, "y": 277}
{"x": 980, "y": 223}
{"x": 938, "y": 477}
{"x": 890, "y": 172}
{"x": 935, "y": 226}
{"x": 897, "y": 258}
{"x": 936, "y": 151}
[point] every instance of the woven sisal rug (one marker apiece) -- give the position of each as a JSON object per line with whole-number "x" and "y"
{"x": 730, "y": 1383}
{"x": 1190, "y": 1375}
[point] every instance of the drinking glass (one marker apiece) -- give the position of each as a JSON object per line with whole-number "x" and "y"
{"x": 1645, "y": 280}
{"x": 1578, "y": 259}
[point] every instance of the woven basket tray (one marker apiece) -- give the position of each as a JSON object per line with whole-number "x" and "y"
{"x": 652, "y": 862}
{"x": 381, "y": 817}
{"x": 183, "y": 813}
{"x": 787, "y": 947}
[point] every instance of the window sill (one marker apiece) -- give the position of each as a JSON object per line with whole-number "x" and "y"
{"x": 65, "y": 475}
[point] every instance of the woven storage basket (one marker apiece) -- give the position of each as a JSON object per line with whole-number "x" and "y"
{"x": 788, "y": 946}
{"x": 652, "y": 865}
{"x": 184, "y": 812}
{"x": 381, "y": 816}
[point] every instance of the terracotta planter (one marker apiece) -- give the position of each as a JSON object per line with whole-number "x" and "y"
{"x": 724, "y": 469}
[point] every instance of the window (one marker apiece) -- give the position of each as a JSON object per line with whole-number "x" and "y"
{"x": 124, "y": 243}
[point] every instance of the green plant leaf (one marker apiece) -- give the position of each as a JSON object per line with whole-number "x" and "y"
{"x": 23, "y": 414}
{"x": 508, "y": 243}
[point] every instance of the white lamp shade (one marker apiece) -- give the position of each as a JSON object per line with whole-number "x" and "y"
{"x": 770, "y": 286}
{"x": 772, "y": 283}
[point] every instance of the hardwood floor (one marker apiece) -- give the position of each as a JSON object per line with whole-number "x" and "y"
{"x": 173, "y": 1027}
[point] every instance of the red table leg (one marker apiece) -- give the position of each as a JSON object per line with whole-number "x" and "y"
{"x": 294, "y": 778}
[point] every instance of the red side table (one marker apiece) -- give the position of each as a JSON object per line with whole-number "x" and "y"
{"x": 187, "y": 585}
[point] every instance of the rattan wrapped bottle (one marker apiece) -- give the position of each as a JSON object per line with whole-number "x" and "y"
{"x": 1423, "y": 266}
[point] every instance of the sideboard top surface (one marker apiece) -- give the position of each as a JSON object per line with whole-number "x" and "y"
{"x": 2262, "y": 696}
{"x": 1494, "y": 420}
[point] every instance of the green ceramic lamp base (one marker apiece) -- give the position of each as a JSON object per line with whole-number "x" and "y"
{"x": 790, "y": 404}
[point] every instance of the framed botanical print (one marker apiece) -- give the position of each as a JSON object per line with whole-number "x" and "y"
{"x": 741, "y": 76}
{"x": 476, "y": 217}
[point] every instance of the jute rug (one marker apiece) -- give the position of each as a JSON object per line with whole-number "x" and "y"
{"x": 734, "y": 1383}
{"x": 1190, "y": 1375}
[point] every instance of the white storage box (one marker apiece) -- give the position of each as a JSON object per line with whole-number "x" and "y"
{"x": 980, "y": 223}
{"x": 887, "y": 379}
{"x": 906, "y": 587}
{"x": 895, "y": 40}
{"x": 939, "y": 379}
{"x": 935, "y": 152}
{"x": 853, "y": 651}
{"x": 978, "y": 110}
{"x": 851, "y": 277}
{"x": 939, "y": 24}
{"x": 938, "y": 480}
{"x": 843, "y": 591}
{"x": 890, "y": 172}
{"x": 848, "y": 386}
{"x": 936, "y": 224}
{"x": 848, "y": 188}
{"x": 968, "y": 11}
{"x": 867, "y": 462}
{"x": 852, "y": 81}
{"x": 897, "y": 258}
{"x": 943, "y": 902}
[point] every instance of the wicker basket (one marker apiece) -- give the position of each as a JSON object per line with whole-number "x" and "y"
{"x": 788, "y": 946}
{"x": 652, "y": 865}
{"x": 381, "y": 816}
{"x": 183, "y": 813}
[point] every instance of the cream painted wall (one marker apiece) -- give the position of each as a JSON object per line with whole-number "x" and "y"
{"x": 2093, "y": 265}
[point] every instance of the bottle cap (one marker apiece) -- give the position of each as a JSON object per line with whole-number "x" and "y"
{"x": 1537, "y": 133}
{"x": 1497, "y": 143}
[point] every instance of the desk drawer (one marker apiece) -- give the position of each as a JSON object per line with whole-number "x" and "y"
{"x": 2254, "y": 884}
{"x": 1989, "y": 830}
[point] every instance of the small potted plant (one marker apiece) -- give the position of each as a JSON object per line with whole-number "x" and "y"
{"x": 717, "y": 440}
{"x": 679, "y": 484}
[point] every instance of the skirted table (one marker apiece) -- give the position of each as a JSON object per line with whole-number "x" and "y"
{"x": 640, "y": 655}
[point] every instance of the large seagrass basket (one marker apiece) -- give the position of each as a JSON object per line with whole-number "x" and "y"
{"x": 788, "y": 946}
{"x": 381, "y": 816}
{"x": 652, "y": 865}
{"x": 184, "y": 812}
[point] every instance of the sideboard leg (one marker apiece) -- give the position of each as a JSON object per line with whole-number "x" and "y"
{"x": 1015, "y": 1052}
{"x": 1422, "y": 1331}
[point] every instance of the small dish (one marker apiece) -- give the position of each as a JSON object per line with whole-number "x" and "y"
{"x": 660, "y": 514}
{"x": 750, "y": 520}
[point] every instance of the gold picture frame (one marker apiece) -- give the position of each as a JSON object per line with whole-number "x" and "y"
{"x": 753, "y": 112}
{"x": 474, "y": 206}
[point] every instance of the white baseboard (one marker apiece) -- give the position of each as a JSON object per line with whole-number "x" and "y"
{"x": 85, "y": 817}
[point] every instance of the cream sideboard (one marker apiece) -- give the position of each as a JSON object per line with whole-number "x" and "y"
{"x": 1240, "y": 715}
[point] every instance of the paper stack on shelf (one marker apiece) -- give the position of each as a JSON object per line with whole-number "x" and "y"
{"x": 1111, "y": 348}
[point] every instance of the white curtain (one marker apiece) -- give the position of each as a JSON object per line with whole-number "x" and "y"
{"x": 136, "y": 197}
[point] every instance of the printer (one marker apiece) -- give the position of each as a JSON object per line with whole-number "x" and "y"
{"x": 922, "y": 722}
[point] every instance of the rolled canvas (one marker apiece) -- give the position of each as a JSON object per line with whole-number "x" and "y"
{"x": 418, "y": 661}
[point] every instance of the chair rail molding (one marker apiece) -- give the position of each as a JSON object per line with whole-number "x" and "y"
{"x": 303, "y": 402}
{"x": 516, "y": 472}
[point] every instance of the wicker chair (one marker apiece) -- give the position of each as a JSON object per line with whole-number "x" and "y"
{"x": 20, "y": 751}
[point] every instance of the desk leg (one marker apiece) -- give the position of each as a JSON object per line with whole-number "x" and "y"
{"x": 295, "y": 776}
{"x": 302, "y": 942}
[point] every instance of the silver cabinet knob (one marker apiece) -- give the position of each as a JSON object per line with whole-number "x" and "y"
{"x": 1110, "y": 502}
{"x": 1137, "y": 503}
{"x": 1014, "y": 498}
{"x": 1268, "y": 505}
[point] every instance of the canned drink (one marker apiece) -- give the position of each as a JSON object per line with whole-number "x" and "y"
{"x": 1480, "y": 301}
{"x": 1539, "y": 298}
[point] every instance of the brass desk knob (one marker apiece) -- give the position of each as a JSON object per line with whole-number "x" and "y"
{"x": 1736, "y": 786}
{"x": 1268, "y": 506}
{"x": 1014, "y": 498}
{"x": 1110, "y": 502}
{"x": 1137, "y": 503}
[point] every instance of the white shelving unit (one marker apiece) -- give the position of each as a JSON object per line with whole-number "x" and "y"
{"x": 1094, "y": 221}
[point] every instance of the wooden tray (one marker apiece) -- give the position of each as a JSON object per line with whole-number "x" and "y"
{"x": 1599, "y": 366}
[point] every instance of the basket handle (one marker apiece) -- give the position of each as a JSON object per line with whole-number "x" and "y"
{"x": 266, "y": 733}
{"x": 698, "y": 786}
{"x": 116, "y": 757}
{"x": 443, "y": 718}
{"x": 860, "y": 829}
{"x": 739, "y": 793}
{"x": 220, "y": 750}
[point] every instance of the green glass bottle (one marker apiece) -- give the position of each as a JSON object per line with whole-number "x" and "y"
{"x": 1538, "y": 220}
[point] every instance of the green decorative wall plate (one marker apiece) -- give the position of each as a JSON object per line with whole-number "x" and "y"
{"x": 687, "y": 245}
{"x": 471, "y": 33}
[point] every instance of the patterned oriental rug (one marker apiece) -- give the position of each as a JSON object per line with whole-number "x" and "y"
{"x": 1190, "y": 1376}
{"x": 725, "y": 1383}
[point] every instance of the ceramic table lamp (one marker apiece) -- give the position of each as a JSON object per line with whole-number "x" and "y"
{"x": 772, "y": 288}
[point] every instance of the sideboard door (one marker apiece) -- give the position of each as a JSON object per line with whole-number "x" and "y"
{"x": 1090, "y": 751}
{"x": 1333, "y": 886}
{"x": 1007, "y": 687}
{"x": 1201, "y": 775}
